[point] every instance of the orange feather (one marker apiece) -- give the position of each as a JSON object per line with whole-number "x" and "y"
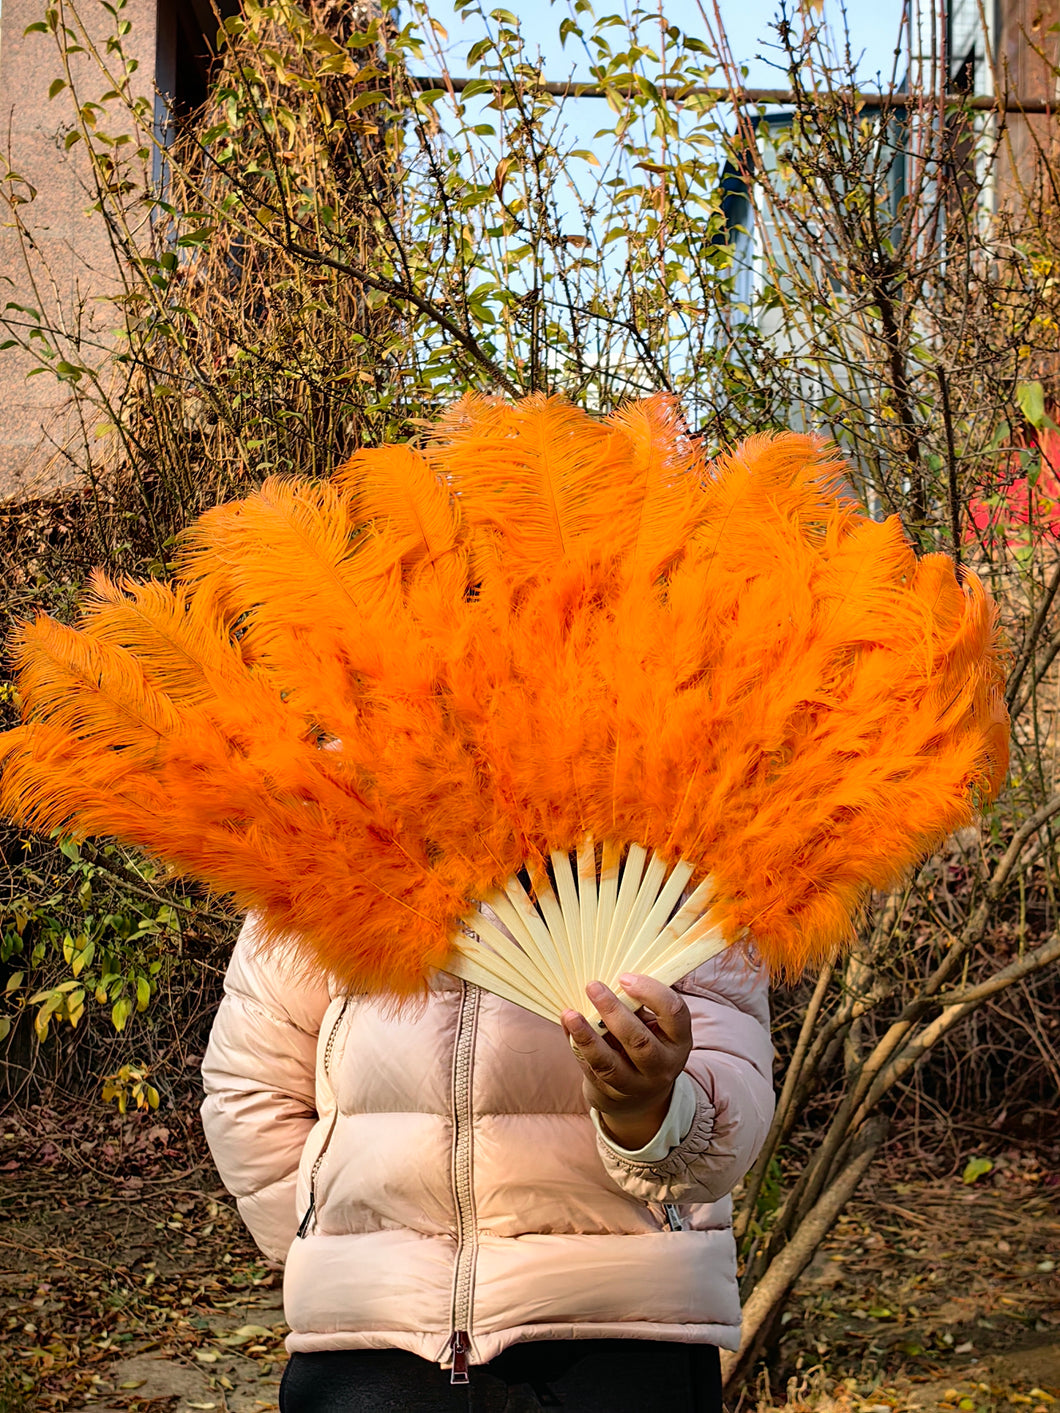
{"x": 365, "y": 705}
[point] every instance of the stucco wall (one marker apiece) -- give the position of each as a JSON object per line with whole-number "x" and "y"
{"x": 69, "y": 258}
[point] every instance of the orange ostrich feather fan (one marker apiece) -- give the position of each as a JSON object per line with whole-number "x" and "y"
{"x": 548, "y": 699}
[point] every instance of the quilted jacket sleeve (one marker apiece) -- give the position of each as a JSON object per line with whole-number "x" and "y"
{"x": 258, "y": 1073}
{"x": 731, "y": 1069}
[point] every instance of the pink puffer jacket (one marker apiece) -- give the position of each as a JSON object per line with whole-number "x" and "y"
{"x": 448, "y": 1178}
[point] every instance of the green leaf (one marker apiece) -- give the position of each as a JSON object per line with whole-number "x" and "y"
{"x": 120, "y": 1012}
{"x": 474, "y": 88}
{"x": 5, "y": 1027}
{"x": 198, "y": 237}
{"x": 1031, "y": 400}
{"x": 365, "y": 100}
{"x": 56, "y": 87}
{"x": 143, "y": 993}
{"x": 976, "y": 1168}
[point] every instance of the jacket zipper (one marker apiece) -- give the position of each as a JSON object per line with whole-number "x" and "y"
{"x": 463, "y": 1190}
{"x": 674, "y": 1220}
{"x": 307, "y": 1220}
{"x": 459, "y": 1345}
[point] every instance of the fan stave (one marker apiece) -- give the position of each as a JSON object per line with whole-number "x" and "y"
{"x": 627, "y": 911}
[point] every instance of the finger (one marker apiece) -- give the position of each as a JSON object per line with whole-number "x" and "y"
{"x": 640, "y": 1044}
{"x": 672, "y": 1015}
{"x": 594, "y": 1054}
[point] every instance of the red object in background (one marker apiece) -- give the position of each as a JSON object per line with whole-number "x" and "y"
{"x": 1023, "y": 505}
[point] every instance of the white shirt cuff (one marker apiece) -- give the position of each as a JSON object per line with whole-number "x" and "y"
{"x": 674, "y": 1130}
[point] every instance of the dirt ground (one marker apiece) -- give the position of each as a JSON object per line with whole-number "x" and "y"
{"x": 127, "y": 1283}
{"x": 931, "y": 1294}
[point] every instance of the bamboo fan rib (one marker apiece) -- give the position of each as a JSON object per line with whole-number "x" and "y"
{"x": 620, "y": 916}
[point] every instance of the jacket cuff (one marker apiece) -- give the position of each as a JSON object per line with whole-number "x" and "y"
{"x": 674, "y": 1129}
{"x": 677, "y": 1177}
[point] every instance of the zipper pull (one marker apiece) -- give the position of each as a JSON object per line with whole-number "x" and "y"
{"x": 303, "y": 1226}
{"x": 673, "y": 1217}
{"x": 460, "y": 1346}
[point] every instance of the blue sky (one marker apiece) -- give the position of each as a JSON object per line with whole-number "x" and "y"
{"x": 873, "y": 25}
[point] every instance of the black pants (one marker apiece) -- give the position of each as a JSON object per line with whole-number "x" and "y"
{"x": 581, "y": 1376}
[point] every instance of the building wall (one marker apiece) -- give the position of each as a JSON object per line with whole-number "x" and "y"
{"x": 1027, "y": 55}
{"x": 69, "y": 258}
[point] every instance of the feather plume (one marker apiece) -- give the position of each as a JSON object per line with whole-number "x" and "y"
{"x": 538, "y": 474}
{"x": 659, "y": 501}
{"x": 389, "y": 711}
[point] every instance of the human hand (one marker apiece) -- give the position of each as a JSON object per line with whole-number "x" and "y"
{"x": 629, "y": 1072}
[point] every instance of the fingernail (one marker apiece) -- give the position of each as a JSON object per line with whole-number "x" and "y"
{"x": 595, "y": 990}
{"x": 628, "y": 979}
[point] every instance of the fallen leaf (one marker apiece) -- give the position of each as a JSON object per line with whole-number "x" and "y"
{"x": 245, "y": 1333}
{"x": 976, "y": 1168}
